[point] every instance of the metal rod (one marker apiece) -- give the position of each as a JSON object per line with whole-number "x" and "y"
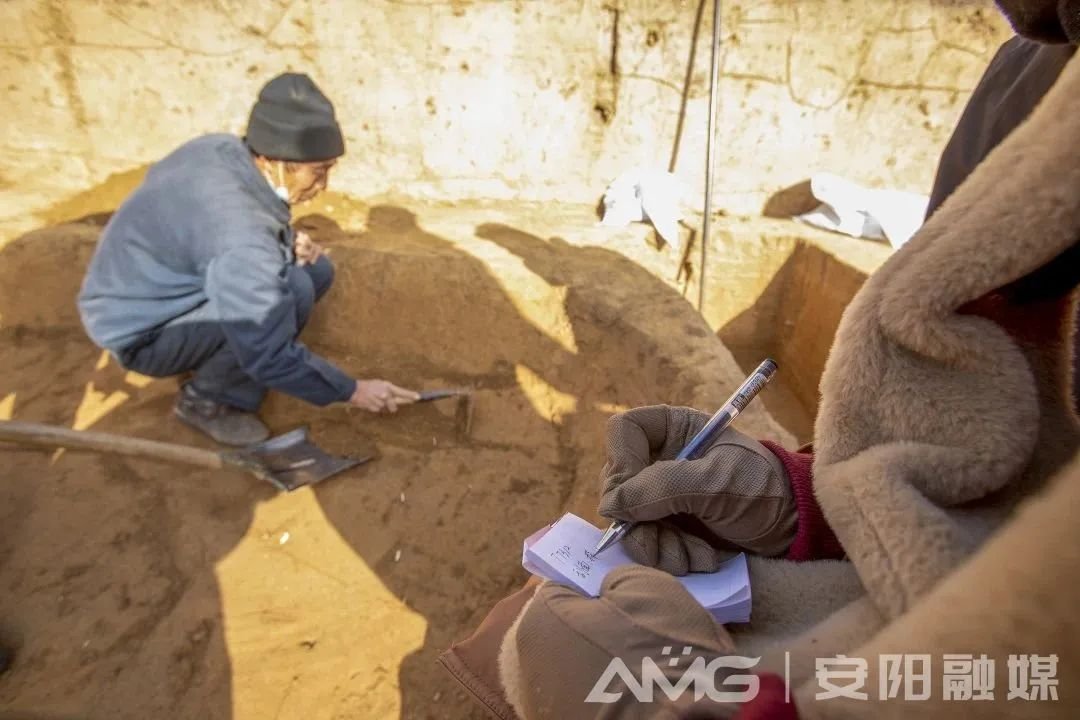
{"x": 714, "y": 80}
{"x": 685, "y": 98}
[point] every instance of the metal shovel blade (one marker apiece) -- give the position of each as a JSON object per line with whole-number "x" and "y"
{"x": 291, "y": 461}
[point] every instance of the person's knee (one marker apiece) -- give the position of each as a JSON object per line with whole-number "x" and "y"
{"x": 322, "y": 275}
{"x": 302, "y": 287}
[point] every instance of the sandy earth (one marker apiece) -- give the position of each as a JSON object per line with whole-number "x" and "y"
{"x": 140, "y": 590}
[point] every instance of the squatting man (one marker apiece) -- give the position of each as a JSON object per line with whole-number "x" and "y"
{"x": 200, "y": 271}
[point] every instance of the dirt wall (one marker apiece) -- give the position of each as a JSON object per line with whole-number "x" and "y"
{"x": 539, "y": 100}
{"x": 774, "y": 288}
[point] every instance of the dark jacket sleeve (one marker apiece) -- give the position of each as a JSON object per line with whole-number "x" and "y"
{"x": 1018, "y": 77}
{"x": 258, "y": 312}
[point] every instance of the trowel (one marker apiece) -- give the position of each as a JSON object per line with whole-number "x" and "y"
{"x": 464, "y": 413}
{"x": 287, "y": 461}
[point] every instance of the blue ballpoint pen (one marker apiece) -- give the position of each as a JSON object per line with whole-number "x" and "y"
{"x": 719, "y": 422}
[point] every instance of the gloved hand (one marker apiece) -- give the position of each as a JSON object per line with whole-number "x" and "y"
{"x": 564, "y": 642}
{"x": 736, "y": 490}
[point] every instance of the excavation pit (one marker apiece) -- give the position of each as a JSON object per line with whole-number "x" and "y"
{"x": 149, "y": 590}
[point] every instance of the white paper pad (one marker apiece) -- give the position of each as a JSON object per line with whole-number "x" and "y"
{"x": 563, "y": 553}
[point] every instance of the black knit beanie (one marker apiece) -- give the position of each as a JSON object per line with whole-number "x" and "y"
{"x": 293, "y": 120}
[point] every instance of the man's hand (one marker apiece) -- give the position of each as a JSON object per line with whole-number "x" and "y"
{"x": 381, "y": 396}
{"x": 736, "y": 490}
{"x": 306, "y": 250}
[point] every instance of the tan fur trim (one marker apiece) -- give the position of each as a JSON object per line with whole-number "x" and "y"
{"x": 510, "y": 675}
{"x": 924, "y": 408}
{"x": 791, "y": 597}
{"x": 1015, "y": 595}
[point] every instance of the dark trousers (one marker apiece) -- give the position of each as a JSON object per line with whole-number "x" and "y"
{"x": 196, "y": 342}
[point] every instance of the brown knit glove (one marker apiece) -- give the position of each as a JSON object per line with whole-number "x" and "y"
{"x": 693, "y": 514}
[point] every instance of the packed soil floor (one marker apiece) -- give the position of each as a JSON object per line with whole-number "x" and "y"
{"x": 135, "y": 589}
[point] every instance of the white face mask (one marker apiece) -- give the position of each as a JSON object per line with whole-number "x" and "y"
{"x": 279, "y": 187}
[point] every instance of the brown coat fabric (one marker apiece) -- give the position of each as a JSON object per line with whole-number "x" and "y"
{"x": 946, "y": 399}
{"x": 934, "y": 422}
{"x": 945, "y": 404}
{"x": 1017, "y": 596}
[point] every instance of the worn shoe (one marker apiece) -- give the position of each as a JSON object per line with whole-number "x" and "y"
{"x": 227, "y": 425}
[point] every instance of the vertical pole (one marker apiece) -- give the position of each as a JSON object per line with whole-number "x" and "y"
{"x": 714, "y": 81}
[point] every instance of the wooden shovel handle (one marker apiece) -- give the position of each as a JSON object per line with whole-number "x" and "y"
{"x": 40, "y": 435}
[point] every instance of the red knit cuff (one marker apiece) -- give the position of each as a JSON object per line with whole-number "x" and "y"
{"x": 770, "y": 703}
{"x": 814, "y": 539}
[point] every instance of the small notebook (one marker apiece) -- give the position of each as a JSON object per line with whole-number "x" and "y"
{"x": 563, "y": 553}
